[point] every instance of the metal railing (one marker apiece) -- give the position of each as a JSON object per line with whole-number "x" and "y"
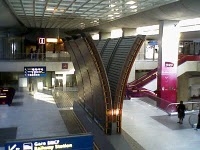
{"x": 191, "y": 107}
{"x": 35, "y": 57}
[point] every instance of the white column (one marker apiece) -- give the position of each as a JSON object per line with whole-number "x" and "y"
{"x": 132, "y": 74}
{"x": 64, "y": 81}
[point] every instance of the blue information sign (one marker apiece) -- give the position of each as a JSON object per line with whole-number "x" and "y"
{"x": 73, "y": 142}
{"x": 36, "y": 71}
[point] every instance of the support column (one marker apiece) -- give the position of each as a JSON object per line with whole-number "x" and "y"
{"x": 167, "y": 62}
{"x": 104, "y": 35}
{"x": 132, "y": 74}
{"x": 64, "y": 81}
{"x": 129, "y": 32}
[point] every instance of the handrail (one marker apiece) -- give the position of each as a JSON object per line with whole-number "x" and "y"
{"x": 171, "y": 111}
{"x": 152, "y": 72}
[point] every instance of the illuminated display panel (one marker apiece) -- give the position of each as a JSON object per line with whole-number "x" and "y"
{"x": 35, "y": 71}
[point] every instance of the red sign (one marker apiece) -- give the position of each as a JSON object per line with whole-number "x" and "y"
{"x": 169, "y": 64}
{"x": 41, "y": 40}
{"x": 64, "y": 65}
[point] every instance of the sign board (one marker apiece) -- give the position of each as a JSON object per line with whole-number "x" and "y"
{"x": 73, "y": 142}
{"x": 41, "y": 40}
{"x": 64, "y": 65}
{"x": 35, "y": 71}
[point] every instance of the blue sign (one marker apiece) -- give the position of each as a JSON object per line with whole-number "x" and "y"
{"x": 36, "y": 71}
{"x": 72, "y": 142}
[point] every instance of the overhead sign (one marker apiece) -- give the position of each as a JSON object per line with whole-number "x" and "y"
{"x": 73, "y": 142}
{"x": 64, "y": 65}
{"x": 41, "y": 40}
{"x": 35, "y": 71}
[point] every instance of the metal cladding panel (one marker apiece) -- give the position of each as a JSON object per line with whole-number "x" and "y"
{"x": 108, "y": 51}
{"x": 94, "y": 101}
{"x": 86, "y": 76}
{"x": 78, "y": 64}
{"x": 101, "y": 45}
{"x": 117, "y": 63}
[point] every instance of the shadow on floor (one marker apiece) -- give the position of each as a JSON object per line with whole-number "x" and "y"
{"x": 171, "y": 122}
{"x": 7, "y": 134}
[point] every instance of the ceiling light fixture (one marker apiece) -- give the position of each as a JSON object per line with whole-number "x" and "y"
{"x": 130, "y": 2}
{"x": 50, "y": 9}
{"x": 133, "y": 7}
{"x": 112, "y": 5}
{"x": 52, "y": 40}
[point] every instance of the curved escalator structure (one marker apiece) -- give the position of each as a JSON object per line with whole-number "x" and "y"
{"x": 93, "y": 87}
{"x": 102, "y": 69}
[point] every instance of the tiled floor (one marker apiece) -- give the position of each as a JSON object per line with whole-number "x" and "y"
{"x": 33, "y": 117}
{"x": 154, "y": 130}
{"x": 144, "y": 126}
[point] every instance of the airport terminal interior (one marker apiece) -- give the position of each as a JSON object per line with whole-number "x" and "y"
{"x": 99, "y": 74}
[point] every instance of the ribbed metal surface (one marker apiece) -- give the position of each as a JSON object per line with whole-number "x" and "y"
{"x": 78, "y": 71}
{"x": 94, "y": 98}
{"x": 101, "y": 45}
{"x": 109, "y": 50}
{"x": 117, "y": 63}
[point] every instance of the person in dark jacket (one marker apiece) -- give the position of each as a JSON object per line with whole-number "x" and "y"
{"x": 181, "y": 112}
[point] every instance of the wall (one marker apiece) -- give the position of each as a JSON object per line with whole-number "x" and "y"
{"x": 194, "y": 85}
{"x": 183, "y": 87}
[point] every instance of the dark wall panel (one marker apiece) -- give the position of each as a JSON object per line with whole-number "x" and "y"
{"x": 86, "y": 75}
{"x": 96, "y": 100}
{"x": 78, "y": 64}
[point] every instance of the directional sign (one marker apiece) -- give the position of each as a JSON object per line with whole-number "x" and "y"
{"x": 35, "y": 71}
{"x": 41, "y": 40}
{"x": 73, "y": 142}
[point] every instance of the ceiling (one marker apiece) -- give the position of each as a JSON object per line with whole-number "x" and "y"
{"x": 77, "y": 14}
{"x": 93, "y": 15}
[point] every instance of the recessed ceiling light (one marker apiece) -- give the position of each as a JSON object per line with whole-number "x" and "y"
{"x": 50, "y": 9}
{"x": 112, "y": 5}
{"x": 130, "y": 2}
{"x": 133, "y": 7}
{"x": 110, "y": 15}
{"x": 116, "y": 13}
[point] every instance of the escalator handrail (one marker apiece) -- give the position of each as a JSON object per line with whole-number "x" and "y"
{"x": 152, "y": 72}
{"x": 169, "y": 113}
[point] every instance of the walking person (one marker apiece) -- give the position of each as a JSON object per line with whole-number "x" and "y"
{"x": 181, "y": 112}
